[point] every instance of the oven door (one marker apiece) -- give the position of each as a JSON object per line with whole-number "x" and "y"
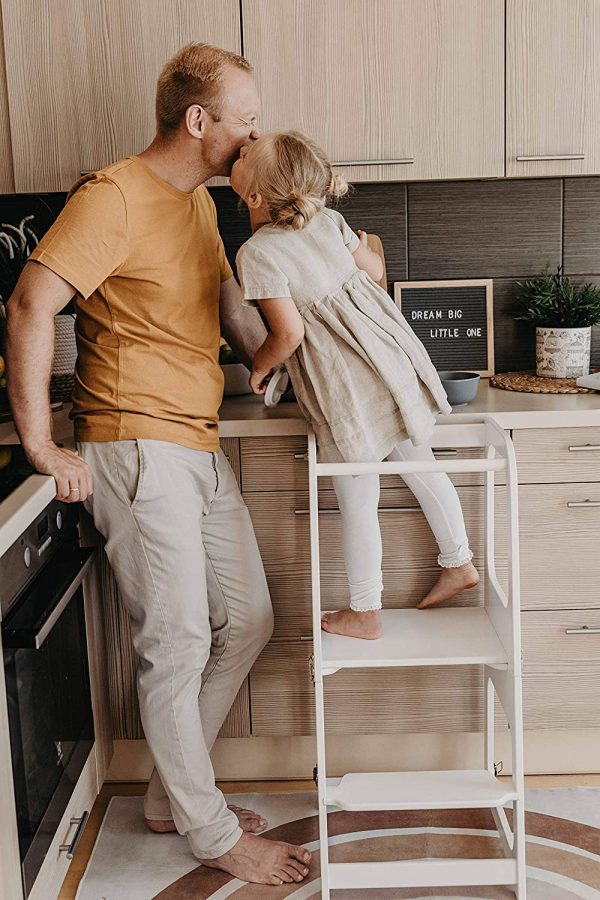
{"x": 49, "y": 705}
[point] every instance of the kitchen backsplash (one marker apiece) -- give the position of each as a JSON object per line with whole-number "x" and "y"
{"x": 506, "y": 230}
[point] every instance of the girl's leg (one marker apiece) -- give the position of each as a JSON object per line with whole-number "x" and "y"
{"x": 358, "y": 498}
{"x": 441, "y": 505}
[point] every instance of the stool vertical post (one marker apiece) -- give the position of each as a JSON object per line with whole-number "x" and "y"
{"x": 313, "y": 488}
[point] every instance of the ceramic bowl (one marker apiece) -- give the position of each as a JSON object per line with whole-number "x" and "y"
{"x": 461, "y": 387}
{"x": 236, "y": 380}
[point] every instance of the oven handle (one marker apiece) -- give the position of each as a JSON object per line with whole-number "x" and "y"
{"x": 24, "y": 638}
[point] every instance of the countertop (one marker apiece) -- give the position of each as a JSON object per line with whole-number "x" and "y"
{"x": 247, "y": 416}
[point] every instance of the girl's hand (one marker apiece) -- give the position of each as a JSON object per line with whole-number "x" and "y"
{"x": 260, "y": 380}
{"x": 363, "y": 237}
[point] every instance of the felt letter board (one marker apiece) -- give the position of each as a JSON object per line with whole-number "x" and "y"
{"x": 453, "y": 319}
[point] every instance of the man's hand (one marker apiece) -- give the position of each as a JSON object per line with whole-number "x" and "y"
{"x": 73, "y": 476}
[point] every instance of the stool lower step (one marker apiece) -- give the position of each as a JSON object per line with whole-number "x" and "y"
{"x": 422, "y": 873}
{"x": 466, "y": 789}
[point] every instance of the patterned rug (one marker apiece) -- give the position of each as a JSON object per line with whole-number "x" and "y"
{"x": 563, "y": 849}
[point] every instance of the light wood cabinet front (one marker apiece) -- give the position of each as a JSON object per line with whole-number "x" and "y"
{"x": 415, "y": 80}
{"x": 7, "y": 184}
{"x": 281, "y": 523}
{"x": 547, "y": 456}
{"x": 552, "y": 87}
{"x": 362, "y": 701}
{"x": 559, "y": 526}
{"x": 281, "y": 464}
{"x": 82, "y": 77}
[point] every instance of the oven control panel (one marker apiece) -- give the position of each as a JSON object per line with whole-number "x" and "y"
{"x": 31, "y": 551}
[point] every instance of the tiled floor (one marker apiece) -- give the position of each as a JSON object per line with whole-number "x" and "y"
{"x": 78, "y": 866}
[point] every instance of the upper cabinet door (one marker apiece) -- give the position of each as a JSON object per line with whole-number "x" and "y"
{"x": 82, "y": 77}
{"x": 553, "y": 87}
{"x": 7, "y": 184}
{"x": 383, "y": 81}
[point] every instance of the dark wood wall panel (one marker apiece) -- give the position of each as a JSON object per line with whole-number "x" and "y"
{"x": 483, "y": 229}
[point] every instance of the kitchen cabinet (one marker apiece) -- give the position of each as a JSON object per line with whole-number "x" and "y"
{"x": 81, "y": 77}
{"x": 552, "y": 87}
{"x": 7, "y": 184}
{"x": 415, "y": 82}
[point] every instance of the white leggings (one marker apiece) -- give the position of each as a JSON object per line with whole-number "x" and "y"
{"x": 358, "y": 498}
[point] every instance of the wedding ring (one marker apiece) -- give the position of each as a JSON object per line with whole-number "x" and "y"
{"x": 74, "y": 491}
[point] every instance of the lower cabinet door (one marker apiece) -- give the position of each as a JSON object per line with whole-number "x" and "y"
{"x": 560, "y": 538}
{"x": 361, "y": 701}
{"x": 561, "y": 669}
{"x": 281, "y": 523}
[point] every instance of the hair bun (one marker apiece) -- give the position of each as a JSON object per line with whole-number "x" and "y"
{"x": 298, "y": 211}
{"x": 338, "y": 186}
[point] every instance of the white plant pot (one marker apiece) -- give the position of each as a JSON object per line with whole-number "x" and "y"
{"x": 563, "y": 352}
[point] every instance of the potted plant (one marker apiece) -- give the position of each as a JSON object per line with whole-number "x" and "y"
{"x": 563, "y": 316}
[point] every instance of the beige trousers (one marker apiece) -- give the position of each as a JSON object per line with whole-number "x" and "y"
{"x": 182, "y": 548}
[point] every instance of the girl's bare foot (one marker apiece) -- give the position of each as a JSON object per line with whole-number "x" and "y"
{"x": 349, "y": 622}
{"x": 450, "y": 583}
{"x": 248, "y": 819}
{"x": 261, "y": 861}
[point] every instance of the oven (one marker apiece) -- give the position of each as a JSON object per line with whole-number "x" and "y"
{"x": 46, "y": 673}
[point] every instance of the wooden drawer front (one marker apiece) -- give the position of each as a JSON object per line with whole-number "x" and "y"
{"x": 365, "y": 701}
{"x": 279, "y": 464}
{"x": 231, "y": 449}
{"x": 549, "y": 648}
{"x": 549, "y": 455}
{"x": 563, "y": 700}
{"x": 410, "y": 552}
{"x": 560, "y": 558}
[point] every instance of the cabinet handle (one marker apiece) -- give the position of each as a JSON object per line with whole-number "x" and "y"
{"x": 81, "y": 822}
{"x": 302, "y": 456}
{"x": 550, "y": 157}
{"x": 585, "y": 629}
{"x": 408, "y": 161}
{"x": 381, "y": 509}
{"x": 583, "y": 448}
{"x": 579, "y": 504}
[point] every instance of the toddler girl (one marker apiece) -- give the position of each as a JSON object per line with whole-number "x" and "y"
{"x": 361, "y": 376}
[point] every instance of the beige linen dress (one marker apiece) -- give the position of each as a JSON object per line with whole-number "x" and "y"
{"x": 361, "y": 376}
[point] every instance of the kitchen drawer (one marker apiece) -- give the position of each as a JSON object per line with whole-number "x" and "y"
{"x": 561, "y": 641}
{"x": 231, "y": 449}
{"x": 410, "y": 553}
{"x": 279, "y": 464}
{"x": 560, "y": 546}
{"x": 548, "y": 455}
{"x": 563, "y": 700}
{"x": 362, "y": 701}
{"x": 54, "y": 868}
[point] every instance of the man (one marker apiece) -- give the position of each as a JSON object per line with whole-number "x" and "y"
{"x": 137, "y": 245}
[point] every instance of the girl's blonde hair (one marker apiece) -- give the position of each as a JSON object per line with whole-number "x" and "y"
{"x": 293, "y": 177}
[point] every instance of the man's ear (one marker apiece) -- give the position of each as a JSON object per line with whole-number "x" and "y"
{"x": 195, "y": 120}
{"x": 254, "y": 200}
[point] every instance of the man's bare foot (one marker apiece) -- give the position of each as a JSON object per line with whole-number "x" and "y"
{"x": 450, "y": 583}
{"x": 261, "y": 861}
{"x": 248, "y": 819}
{"x": 351, "y": 623}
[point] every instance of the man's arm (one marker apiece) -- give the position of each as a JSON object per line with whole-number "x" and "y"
{"x": 241, "y": 326}
{"x": 38, "y": 296}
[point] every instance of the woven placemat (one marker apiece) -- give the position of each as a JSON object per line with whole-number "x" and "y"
{"x": 529, "y": 382}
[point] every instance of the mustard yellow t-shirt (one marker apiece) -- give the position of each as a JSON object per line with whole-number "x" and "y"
{"x": 147, "y": 262}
